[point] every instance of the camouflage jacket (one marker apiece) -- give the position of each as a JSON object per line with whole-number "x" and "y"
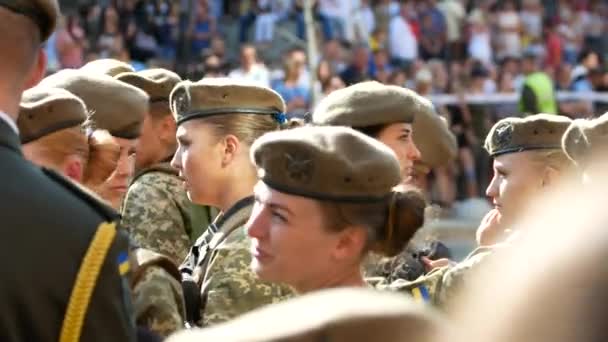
{"x": 158, "y": 214}
{"x": 220, "y": 264}
{"x": 439, "y": 286}
{"x": 157, "y": 292}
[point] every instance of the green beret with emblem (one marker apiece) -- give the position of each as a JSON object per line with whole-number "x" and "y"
{"x": 585, "y": 139}
{"x": 370, "y": 103}
{"x": 43, "y": 13}
{"x": 114, "y": 106}
{"x": 157, "y": 83}
{"x": 43, "y": 111}
{"x": 327, "y": 163}
{"x": 534, "y": 132}
{"x": 220, "y": 96}
{"x": 107, "y": 66}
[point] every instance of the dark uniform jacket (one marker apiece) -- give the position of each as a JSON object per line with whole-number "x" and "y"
{"x": 46, "y": 225}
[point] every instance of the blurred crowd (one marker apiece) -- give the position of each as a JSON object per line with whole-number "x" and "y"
{"x": 473, "y": 47}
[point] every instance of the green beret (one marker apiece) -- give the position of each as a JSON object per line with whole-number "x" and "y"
{"x": 107, "y": 66}
{"x": 535, "y": 132}
{"x": 43, "y": 111}
{"x": 42, "y": 12}
{"x": 585, "y": 138}
{"x": 327, "y": 163}
{"x": 157, "y": 83}
{"x": 432, "y": 136}
{"x": 340, "y": 314}
{"x": 369, "y": 104}
{"x": 115, "y": 106}
{"x": 217, "y": 96}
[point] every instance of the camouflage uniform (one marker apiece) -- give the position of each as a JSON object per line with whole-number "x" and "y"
{"x": 157, "y": 292}
{"x": 219, "y": 263}
{"x": 158, "y": 213}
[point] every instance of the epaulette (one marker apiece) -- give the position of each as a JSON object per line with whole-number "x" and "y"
{"x": 162, "y": 167}
{"x": 143, "y": 258}
{"x": 86, "y": 195}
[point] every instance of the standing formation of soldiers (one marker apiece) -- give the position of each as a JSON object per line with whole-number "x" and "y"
{"x": 151, "y": 205}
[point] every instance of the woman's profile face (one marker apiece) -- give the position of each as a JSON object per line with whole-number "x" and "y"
{"x": 114, "y": 188}
{"x": 399, "y": 137}
{"x": 290, "y": 242}
{"x": 199, "y": 161}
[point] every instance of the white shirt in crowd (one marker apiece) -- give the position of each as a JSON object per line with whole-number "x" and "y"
{"x": 258, "y": 74}
{"x": 336, "y": 8}
{"x": 402, "y": 41}
{"x": 454, "y": 13}
{"x": 510, "y": 42}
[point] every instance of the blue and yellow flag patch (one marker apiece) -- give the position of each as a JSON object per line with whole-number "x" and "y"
{"x": 421, "y": 294}
{"x": 123, "y": 263}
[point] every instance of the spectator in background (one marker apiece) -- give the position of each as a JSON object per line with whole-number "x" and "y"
{"x": 480, "y": 40}
{"x": 299, "y": 56}
{"x": 378, "y": 40}
{"x": 537, "y": 94}
{"x": 597, "y": 78}
{"x": 213, "y": 67}
{"x": 110, "y": 33}
{"x": 297, "y": 97}
{"x": 71, "y": 43}
{"x": 587, "y": 60}
{"x": 432, "y": 31}
{"x": 553, "y": 45}
{"x": 204, "y": 27}
{"x": 326, "y": 26}
{"x": 332, "y": 84}
{"x": 562, "y": 77}
{"x": 141, "y": 42}
{"x": 454, "y": 14}
{"x": 403, "y": 42}
{"x": 364, "y": 22}
{"x": 333, "y": 54}
{"x": 380, "y": 68}
{"x": 509, "y": 31}
{"x": 270, "y": 13}
{"x": 569, "y": 31}
{"x": 532, "y": 25}
{"x": 481, "y": 83}
{"x": 439, "y": 75}
{"x": 251, "y": 70}
{"x": 358, "y": 70}
{"x": 596, "y": 25}
{"x": 339, "y": 13}
{"x": 165, "y": 20}
{"x": 398, "y": 78}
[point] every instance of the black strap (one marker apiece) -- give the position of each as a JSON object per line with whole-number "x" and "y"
{"x": 192, "y": 298}
{"x": 219, "y": 111}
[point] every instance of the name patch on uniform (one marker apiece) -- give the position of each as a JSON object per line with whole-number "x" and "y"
{"x": 123, "y": 263}
{"x": 421, "y": 294}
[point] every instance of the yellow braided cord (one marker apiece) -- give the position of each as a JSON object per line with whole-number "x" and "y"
{"x": 85, "y": 282}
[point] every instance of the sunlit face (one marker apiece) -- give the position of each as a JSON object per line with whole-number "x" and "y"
{"x": 289, "y": 241}
{"x": 115, "y": 187}
{"x": 517, "y": 178}
{"x": 199, "y": 161}
{"x": 399, "y": 137}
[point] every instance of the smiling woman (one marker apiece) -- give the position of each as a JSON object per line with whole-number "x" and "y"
{"x": 324, "y": 199}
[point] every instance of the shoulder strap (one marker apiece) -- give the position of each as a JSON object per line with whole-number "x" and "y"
{"x": 85, "y": 282}
{"x": 144, "y": 258}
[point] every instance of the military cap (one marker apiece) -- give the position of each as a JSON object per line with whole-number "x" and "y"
{"x": 115, "y": 106}
{"x": 218, "y": 96}
{"x": 43, "y": 111}
{"x": 107, "y": 66}
{"x": 584, "y": 138}
{"x": 157, "y": 83}
{"x": 344, "y": 314}
{"x": 42, "y": 12}
{"x": 437, "y": 144}
{"x": 327, "y": 163}
{"x": 535, "y": 132}
{"x": 369, "y": 104}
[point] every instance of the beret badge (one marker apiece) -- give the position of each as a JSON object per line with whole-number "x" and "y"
{"x": 299, "y": 166}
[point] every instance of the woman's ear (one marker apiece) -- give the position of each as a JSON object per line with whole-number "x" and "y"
{"x": 74, "y": 169}
{"x": 350, "y": 242}
{"x": 231, "y": 146}
{"x": 550, "y": 176}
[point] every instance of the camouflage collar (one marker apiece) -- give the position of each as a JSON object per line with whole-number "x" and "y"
{"x": 232, "y": 219}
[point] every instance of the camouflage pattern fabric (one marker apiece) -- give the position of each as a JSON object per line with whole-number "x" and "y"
{"x": 220, "y": 263}
{"x": 157, "y": 293}
{"x": 156, "y": 212}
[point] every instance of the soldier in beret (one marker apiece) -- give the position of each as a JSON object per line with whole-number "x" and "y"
{"x": 218, "y": 119}
{"x": 156, "y": 209}
{"x": 585, "y": 143}
{"x": 346, "y": 314}
{"x": 324, "y": 199}
{"x": 528, "y": 160}
{"x": 381, "y": 111}
{"x": 107, "y": 66}
{"x": 42, "y": 209}
{"x": 119, "y": 109}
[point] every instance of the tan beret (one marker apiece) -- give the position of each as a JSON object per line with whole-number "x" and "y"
{"x": 46, "y": 110}
{"x": 42, "y": 12}
{"x": 535, "y": 132}
{"x": 328, "y": 163}
{"x": 344, "y": 314}
{"x": 432, "y": 136}
{"x": 107, "y": 66}
{"x": 369, "y": 104}
{"x": 585, "y": 138}
{"x": 115, "y": 106}
{"x": 217, "y": 96}
{"x": 157, "y": 83}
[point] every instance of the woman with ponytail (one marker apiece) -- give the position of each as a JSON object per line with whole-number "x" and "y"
{"x": 327, "y": 196}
